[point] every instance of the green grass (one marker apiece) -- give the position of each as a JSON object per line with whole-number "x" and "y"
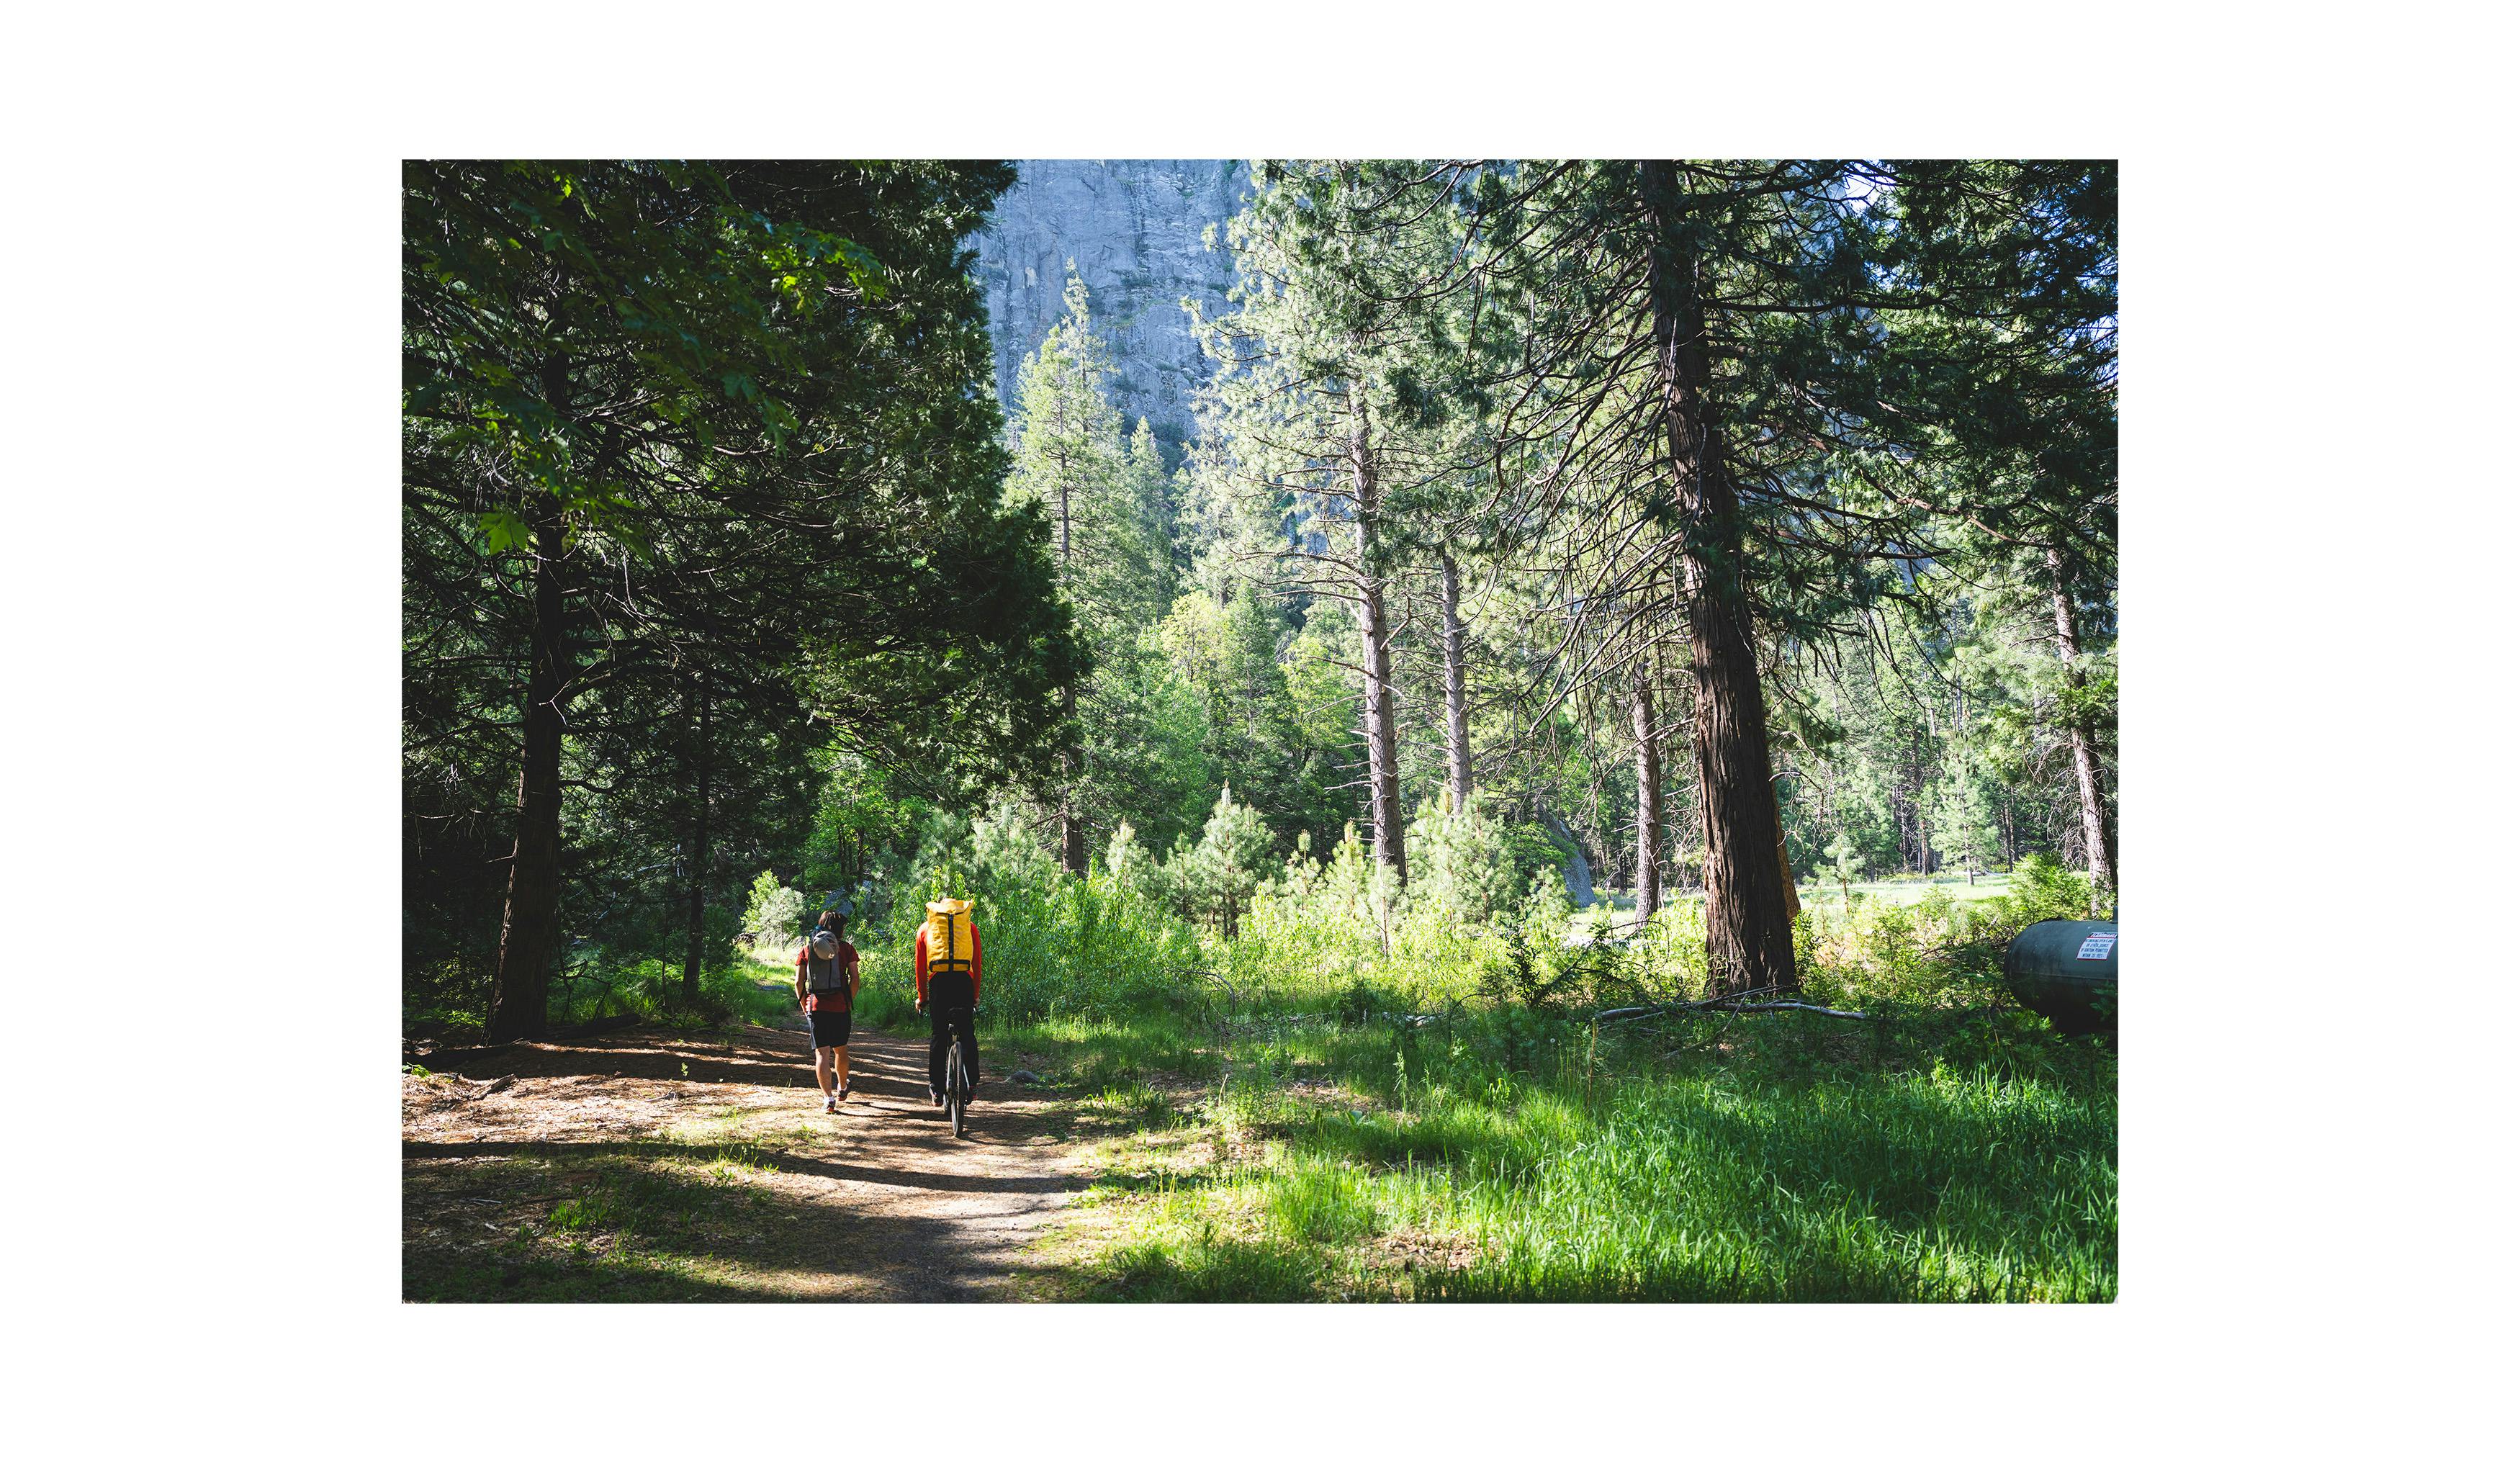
{"x": 1506, "y": 1156}
{"x": 1309, "y": 1134}
{"x": 1614, "y": 911}
{"x": 626, "y": 1222}
{"x": 1908, "y": 889}
{"x": 742, "y": 990}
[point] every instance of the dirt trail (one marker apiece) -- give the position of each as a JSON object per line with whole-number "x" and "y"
{"x": 880, "y": 1202}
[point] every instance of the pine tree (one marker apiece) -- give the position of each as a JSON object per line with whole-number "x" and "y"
{"x": 1105, "y": 499}
{"x": 637, "y": 500}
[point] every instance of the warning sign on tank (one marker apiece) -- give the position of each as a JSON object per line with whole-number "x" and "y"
{"x": 2097, "y": 945}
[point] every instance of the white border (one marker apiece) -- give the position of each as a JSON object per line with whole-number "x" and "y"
{"x": 201, "y": 615}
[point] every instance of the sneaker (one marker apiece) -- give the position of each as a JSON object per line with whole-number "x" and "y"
{"x": 935, "y": 1098}
{"x": 845, "y": 1091}
{"x": 830, "y": 1104}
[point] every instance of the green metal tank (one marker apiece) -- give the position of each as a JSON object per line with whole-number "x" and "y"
{"x": 2067, "y": 971}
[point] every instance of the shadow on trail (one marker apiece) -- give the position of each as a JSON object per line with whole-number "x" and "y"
{"x": 610, "y": 1221}
{"x": 876, "y": 1202}
{"x": 759, "y": 1055}
{"x": 764, "y": 1056}
{"x": 785, "y": 1163}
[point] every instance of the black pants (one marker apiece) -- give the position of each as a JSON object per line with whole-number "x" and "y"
{"x": 949, "y": 1013}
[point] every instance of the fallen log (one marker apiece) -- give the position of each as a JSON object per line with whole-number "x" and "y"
{"x": 1799, "y": 1006}
{"x": 1738, "y": 1001}
{"x": 1679, "y": 1008}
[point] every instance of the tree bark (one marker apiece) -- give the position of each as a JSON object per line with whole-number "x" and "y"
{"x": 1381, "y": 746}
{"x": 1640, "y": 711}
{"x": 1457, "y": 709}
{"x": 696, "y": 871}
{"x": 2099, "y": 848}
{"x": 1750, "y": 935}
{"x": 1071, "y": 828}
{"x": 528, "y": 931}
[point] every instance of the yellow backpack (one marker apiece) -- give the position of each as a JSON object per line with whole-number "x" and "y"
{"x": 949, "y": 937}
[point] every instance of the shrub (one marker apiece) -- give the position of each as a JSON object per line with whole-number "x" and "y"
{"x": 1227, "y": 866}
{"x": 775, "y": 912}
{"x": 2045, "y": 889}
{"x": 1464, "y": 867}
{"x": 1051, "y": 945}
{"x": 1004, "y": 850}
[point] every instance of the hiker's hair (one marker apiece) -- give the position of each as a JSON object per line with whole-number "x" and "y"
{"x": 835, "y": 921}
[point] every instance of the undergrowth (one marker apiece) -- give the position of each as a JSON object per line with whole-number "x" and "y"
{"x": 1513, "y": 1155}
{"x": 1356, "y": 1100}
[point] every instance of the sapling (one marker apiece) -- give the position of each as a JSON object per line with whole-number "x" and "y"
{"x": 1843, "y": 855}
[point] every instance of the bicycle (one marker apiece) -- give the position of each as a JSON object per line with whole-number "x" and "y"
{"x": 958, "y": 1081}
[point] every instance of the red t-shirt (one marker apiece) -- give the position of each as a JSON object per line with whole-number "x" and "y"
{"x": 839, "y": 999}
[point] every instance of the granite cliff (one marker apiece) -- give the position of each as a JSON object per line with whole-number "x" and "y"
{"x": 1132, "y": 228}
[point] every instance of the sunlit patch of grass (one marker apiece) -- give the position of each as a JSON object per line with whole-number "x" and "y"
{"x": 1131, "y": 1102}
{"x": 1492, "y": 1159}
{"x": 1315, "y": 1200}
{"x": 1093, "y": 1054}
{"x": 742, "y": 1133}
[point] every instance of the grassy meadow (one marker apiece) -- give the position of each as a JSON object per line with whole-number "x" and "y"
{"x": 1503, "y": 1156}
{"x": 1319, "y": 1116}
{"x": 1336, "y": 1104}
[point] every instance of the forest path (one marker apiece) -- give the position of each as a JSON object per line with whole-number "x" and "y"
{"x": 720, "y": 1176}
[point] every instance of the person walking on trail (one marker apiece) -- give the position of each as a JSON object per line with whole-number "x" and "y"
{"x": 947, "y": 965}
{"x": 827, "y": 986}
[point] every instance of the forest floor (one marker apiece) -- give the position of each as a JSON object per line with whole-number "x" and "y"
{"x": 648, "y": 1165}
{"x": 1291, "y": 1155}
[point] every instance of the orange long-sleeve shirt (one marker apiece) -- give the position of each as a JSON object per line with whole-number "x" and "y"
{"x": 919, "y": 963}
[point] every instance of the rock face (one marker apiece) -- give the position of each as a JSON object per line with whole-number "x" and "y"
{"x": 1133, "y": 229}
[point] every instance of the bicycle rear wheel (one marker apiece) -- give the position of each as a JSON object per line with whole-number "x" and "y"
{"x": 955, "y": 1087}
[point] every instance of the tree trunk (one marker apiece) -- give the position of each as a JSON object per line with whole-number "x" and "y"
{"x": 1649, "y": 793}
{"x": 528, "y": 931}
{"x": 1071, "y": 828}
{"x": 1381, "y": 746}
{"x": 2099, "y": 850}
{"x": 696, "y": 871}
{"x": 1456, "y": 706}
{"x": 1750, "y": 935}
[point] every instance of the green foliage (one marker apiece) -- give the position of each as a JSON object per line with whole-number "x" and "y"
{"x": 2045, "y": 889}
{"x": 1229, "y": 863}
{"x": 739, "y": 990}
{"x": 1466, "y": 868}
{"x": 1527, "y": 1158}
{"x": 629, "y": 469}
{"x": 1052, "y": 946}
{"x": 831, "y": 624}
{"x": 773, "y": 911}
{"x": 1004, "y": 851}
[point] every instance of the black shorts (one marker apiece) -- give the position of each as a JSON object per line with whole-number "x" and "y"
{"x": 830, "y": 1028}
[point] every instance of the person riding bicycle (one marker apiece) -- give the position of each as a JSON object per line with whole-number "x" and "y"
{"x": 946, "y": 963}
{"x": 827, "y": 987}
